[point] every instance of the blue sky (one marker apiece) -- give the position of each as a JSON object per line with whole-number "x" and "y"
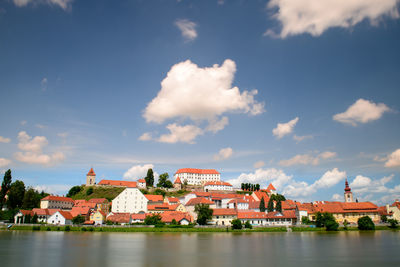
{"x": 124, "y": 85}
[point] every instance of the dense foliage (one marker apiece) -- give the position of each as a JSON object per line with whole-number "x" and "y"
{"x": 365, "y": 223}
{"x": 204, "y": 213}
{"x": 78, "y": 219}
{"x": 236, "y": 224}
{"x": 248, "y": 225}
{"x": 270, "y": 207}
{"x": 16, "y": 195}
{"x": 5, "y": 186}
{"x": 149, "y": 178}
{"x": 250, "y": 187}
{"x": 393, "y": 223}
{"x": 262, "y": 205}
{"x": 153, "y": 219}
{"x": 74, "y": 190}
{"x": 163, "y": 181}
{"x": 326, "y": 220}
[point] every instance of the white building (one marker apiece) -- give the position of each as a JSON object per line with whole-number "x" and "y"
{"x": 55, "y": 202}
{"x": 141, "y": 183}
{"x": 197, "y": 176}
{"x": 239, "y": 204}
{"x": 131, "y": 200}
{"x": 217, "y": 186}
{"x": 60, "y": 218}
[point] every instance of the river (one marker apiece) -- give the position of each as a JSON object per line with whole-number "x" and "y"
{"x": 25, "y": 248}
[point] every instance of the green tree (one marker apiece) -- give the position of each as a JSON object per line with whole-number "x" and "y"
{"x": 279, "y": 206}
{"x": 393, "y": 223}
{"x": 365, "y": 223}
{"x": 163, "y": 181}
{"x": 89, "y": 191}
{"x": 153, "y": 219}
{"x": 319, "y": 220}
{"x": 236, "y": 224}
{"x": 31, "y": 199}
{"x": 248, "y": 225}
{"x": 258, "y": 187}
{"x": 5, "y": 186}
{"x": 174, "y": 222}
{"x": 262, "y": 205}
{"x": 384, "y": 218}
{"x": 305, "y": 220}
{"x": 74, "y": 190}
{"x": 16, "y": 194}
{"x": 242, "y": 186}
{"x": 28, "y": 218}
{"x": 345, "y": 224}
{"x": 34, "y": 218}
{"x": 159, "y": 191}
{"x": 78, "y": 219}
{"x": 149, "y": 178}
{"x": 204, "y": 213}
{"x": 330, "y": 222}
{"x": 270, "y": 207}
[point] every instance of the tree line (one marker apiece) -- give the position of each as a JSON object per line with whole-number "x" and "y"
{"x": 250, "y": 187}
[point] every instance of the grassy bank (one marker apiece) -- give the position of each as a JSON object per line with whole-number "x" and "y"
{"x": 98, "y": 192}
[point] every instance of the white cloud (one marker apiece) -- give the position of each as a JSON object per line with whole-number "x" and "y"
{"x": 393, "y": 159}
{"x": 64, "y": 4}
{"x": 259, "y": 164}
{"x": 138, "y": 172}
{"x": 184, "y": 134}
{"x": 4, "y": 162}
{"x": 360, "y": 181}
{"x": 298, "y": 139}
{"x": 337, "y": 197}
{"x": 188, "y": 29}
{"x": 145, "y": 137}
{"x": 364, "y": 185}
{"x": 33, "y": 150}
{"x": 23, "y": 123}
{"x": 4, "y": 140}
{"x": 362, "y": 111}
{"x": 330, "y": 178}
{"x": 224, "y": 153}
{"x": 200, "y": 95}
{"x": 307, "y": 159}
{"x": 55, "y": 189}
{"x": 316, "y": 16}
{"x": 283, "y": 129}
{"x": 263, "y": 177}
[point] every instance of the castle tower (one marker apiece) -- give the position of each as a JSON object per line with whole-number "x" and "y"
{"x": 90, "y": 178}
{"x": 348, "y": 195}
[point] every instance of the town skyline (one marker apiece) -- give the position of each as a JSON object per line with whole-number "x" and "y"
{"x": 225, "y": 85}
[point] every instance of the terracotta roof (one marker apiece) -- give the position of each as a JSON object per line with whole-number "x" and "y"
{"x": 138, "y": 216}
{"x": 259, "y": 195}
{"x": 119, "y": 217}
{"x": 286, "y": 214}
{"x": 56, "y": 198}
{"x": 168, "y": 216}
{"x": 27, "y": 212}
{"x": 309, "y": 207}
{"x": 41, "y": 212}
{"x": 254, "y": 205}
{"x": 198, "y": 171}
{"x": 271, "y": 187}
{"x": 66, "y": 215}
{"x": 238, "y": 200}
{"x": 83, "y": 203}
{"x": 225, "y": 195}
{"x": 347, "y": 188}
{"x": 345, "y": 207}
{"x": 75, "y": 211}
{"x": 117, "y": 183}
{"x": 251, "y": 215}
{"x": 91, "y": 172}
{"x": 155, "y": 198}
{"x": 88, "y": 222}
{"x": 173, "y": 200}
{"x": 99, "y": 200}
{"x": 141, "y": 181}
{"x": 199, "y": 200}
{"x": 177, "y": 180}
{"x": 219, "y": 212}
{"x": 288, "y": 204}
{"x": 217, "y": 183}
{"x": 396, "y": 204}
{"x": 163, "y": 206}
{"x": 382, "y": 211}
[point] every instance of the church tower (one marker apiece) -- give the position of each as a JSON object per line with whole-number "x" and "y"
{"x": 90, "y": 178}
{"x": 348, "y": 195}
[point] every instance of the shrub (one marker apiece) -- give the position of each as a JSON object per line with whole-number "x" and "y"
{"x": 153, "y": 219}
{"x": 78, "y": 219}
{"x": 58, "y": 228}
{"x": 83, "y": 229}
{"x": 345, "y": 224}
{"x": 48, "y": 229}
{"x": 365, "y": 223}
{"x": 36, "y": 228}
{"x": 393, "y": 223}
{"x": 91, "y": 229}
{"x": 305, "y": 220}
{"x": 67, "y": 228}
{"x": 384, "y": 218}
{"x": 89, "y": 191}
{"x": 248, "y": 225}
{"x": 331, "y": 225}
{"x": 236, "y": 224}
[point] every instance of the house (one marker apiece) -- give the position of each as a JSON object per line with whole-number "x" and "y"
{"x": 56, "y": 202}
{"x": 131, "y": 200}
{"x": 160, "y": 208}
{"x": 223, "y": 217}
{"x": 271, "y": 190}
{"x": 217, "y": 186}
{"x": 98, "y": 217}
{"x": 82, "y": 211}
{"x": 395, "y": 209}
{"x": 141, "y": 183}
{"x": 172, "y": 200}
{"x": 221, "y": 199}
{"x": 155, "y": 199}
{"x": 182, "y": 218}
{"x": 117, "y": 183}
{"x": 178, "y": 183}
{"x": 138, "y": 217}
{"x": 101, "y": 204}
{"x": 60, "y": 217}
{"x": 21, "y": 215}
{"x": 191, "y": 204}
{"x": 43, "y": 214}
{"x": 284, "y": 218}
{"x": 258, "y": 195}
{"x": 195, "y": 194}
{"x": 197, "y": 176}
{"x": 239, "y": 204}
{"x": 82, "y": 203}
{"x": 120, "y": 218}
{"x": 253, "y": 217}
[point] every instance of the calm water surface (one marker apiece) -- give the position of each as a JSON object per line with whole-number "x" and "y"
{"x": 380, "y": 248}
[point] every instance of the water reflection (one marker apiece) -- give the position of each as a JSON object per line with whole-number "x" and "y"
{"x": 199, "y": 249}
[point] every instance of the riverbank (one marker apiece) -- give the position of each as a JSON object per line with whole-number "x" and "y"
{"x": 181, "y": 229}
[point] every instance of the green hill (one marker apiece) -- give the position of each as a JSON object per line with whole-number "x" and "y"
{"x": 98, "y": 192}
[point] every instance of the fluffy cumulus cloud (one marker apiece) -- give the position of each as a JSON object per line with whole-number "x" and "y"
{"x": 263, "y": 177}
{"x": 138, "y": 171}
{"x": 64, "y": 4}
{"x": 4, "y": 162}
{"x": 362, "y": 111}
{"x": 363, "y": 186}
{"x": 32, "y": 150}
{"x": 308, "y": 159}
{"x": 337, "y": 197}
{"x": 56, "y": 189}
{"x": 224, "y": 153}
{"x": 393, "y": 159}
{"x": 316, "y": 16}
{"x": 4, "y": 140}
{"x": 283, "y": 129}
{"x": 187, "y": 28}
{"x": 145, "y": 137}
{"x": 200, "y": 95}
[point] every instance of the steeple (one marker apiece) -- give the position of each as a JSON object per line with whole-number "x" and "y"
{"x": 90, "y": 178}
{"x": 348, "y": 195}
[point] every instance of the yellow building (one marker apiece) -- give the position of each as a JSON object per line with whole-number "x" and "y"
{"x": 98, "y": 217}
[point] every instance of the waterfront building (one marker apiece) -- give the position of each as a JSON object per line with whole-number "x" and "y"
{"x": 217, "y": 186}
{"x": 21, "y": 215}
{"x": 121, "y": 218}
{"x": 182, "y": 218}
{"x": 98, "y": 217}
{"x": 60, "y": 217}
{"x": 394, "y": 209}
{"x": 160, "y": 208}
{"x": 90, "y": 178}
{"x": 155, "y": 199}
{"x": 101, "y": 204}
{"x": 131, "y": 200}
{"x": 138, "y": 217}
{"x": 223, "y": 217}
{"x": 56, "y": 202}
{"x": 191, "y": 204}
{"x": 197, "y": 176}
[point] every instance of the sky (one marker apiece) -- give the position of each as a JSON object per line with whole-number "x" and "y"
{"x": 299, "y": 93}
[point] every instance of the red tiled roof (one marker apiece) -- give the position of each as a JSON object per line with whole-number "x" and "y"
{"x": 288, "y": 204}
{"x": 155, "y": 198}
{"x": 98, "y": 200}
{"x": 117, "y": 183}
{"x": 168, "y": 216}
{"x": 173, "y": 200}
{"x": 82, "y": 203}
{"x": 178, "y": 180}
{"x": 27, "y": 212}
{"x": 217, "y": 183}
{"x": 75, "y": 211}
{"x": 198, "y": 171}
{"x": 163, "y": 206}
{"x": 141, "y": 181}
{"x": 238, "y": 200}
{"x": 66, "y": 215}
{"x": 225, "y": 195}
{"x": 56, "y": 198}
{"x": 346, "y": 207}
{"x": 260, "y": 194}
{"x": 41, "y": 212}
{"x": 119, "y": 217}
{"x": 219, "y": 212}
{"x": 254, "y": 205}
{"x": 91, "y": 172}
{"x": 138, "y": 216}
{"x": 382, "y": 211}
{"x": 396, "y": 204}
{"x": 271, "y": 187}
{"x": 199, "y": 200}
{"x": 88, "y": 222}
{"x": 251, "y": 215}
{"x": 286, "y": 214}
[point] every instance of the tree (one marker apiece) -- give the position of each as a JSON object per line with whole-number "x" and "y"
{"x": 28, "y": 218}
{"x": 270, "y": 207}
{"x": 204, "y": 213}
{"x": 236, "y": 224}
{"x": 319, "y": 220}
{"x": 5, "y": 186}
{"x": 393, "y": 223}
{"x": 149, "y": 178}
{"x": 74, "y": 190}
{"x": 242, "y": 186}
{"x": 258, "y": 187}
{"x": 174, "y": 222}
{"x": 89, "y": 191}
{"x": 163, "y": 181}
{"x": 345, "y": 224}
{"x": 262, "y": 205}
{"x": 330, "y": 222}
{"x": 16, "y": 194}
{"x": 159, "y": 191}
{"x": 365, "y": 223}
{"x": 34, "y": 218}
{"x": 153, "y": 219}
{"x": 305, "y": 220}
{"x": 31, "y": 199}
{"x": 279, "y": 206}
{"x": 248, "y": 225}
{"x": 78, "y": 219}
{"x": 384, "y": 218}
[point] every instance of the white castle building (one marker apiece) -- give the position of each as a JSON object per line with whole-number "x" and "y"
{"x": 131, "y": 200}
{"x": 197, "y": 176}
